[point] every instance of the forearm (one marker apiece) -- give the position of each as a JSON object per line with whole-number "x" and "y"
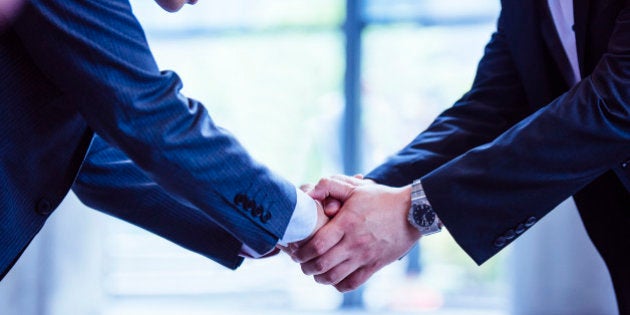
{"x": 109, "y": 182}
{"x": 95, "y": 52}
{"x": 495, "y": 102}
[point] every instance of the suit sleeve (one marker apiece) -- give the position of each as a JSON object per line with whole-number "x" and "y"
{"x": 96, "y": 53}
{"x": 111, "y": 183}
{"x": 495, "y": 102}
{"x": 493, "y": 190}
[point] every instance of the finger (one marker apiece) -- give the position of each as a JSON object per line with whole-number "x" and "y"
{"x": 338, "y": 273}
{"x": 337, "y": 255}
{"x": 354, "y": 280}
{"x": 323, "y": 240}
{"x": 293, "y": 247}
{"x": 352, "y": 180}
{"x": 285, "y": 249}
{"x": 331, "y": 207}
{"x": 330, "y": 187}
{"x": 306, "y": 187}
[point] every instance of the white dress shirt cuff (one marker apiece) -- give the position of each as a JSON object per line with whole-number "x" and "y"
{"x": 301, "y": 225}
{"x": 303, "y": 220}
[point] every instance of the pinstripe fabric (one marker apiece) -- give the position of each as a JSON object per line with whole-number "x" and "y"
{"x": 36, "y": 169}
{"x": 70, "y": 67}
{"x": 111, "y": 182}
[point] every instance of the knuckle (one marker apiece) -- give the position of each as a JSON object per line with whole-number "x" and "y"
{"x": 305, "y": 269}
{"x": 363, "y": 240}
{"x": 319, "y": 266}
{"x": 325, "y": 279}
{"x": 346, "y": 286}
{"x": 319, "y": 247}
{"x": 364, "y": 244}
{"x": 325, "y": 181}
{"x": 320, "y": 279}
{"x": 364, "y": 255}
{"x": 298, "y": 256}
{"x": 352, "y": 284}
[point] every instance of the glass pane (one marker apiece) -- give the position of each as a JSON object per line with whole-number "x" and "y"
{"x": 411, "y": 74}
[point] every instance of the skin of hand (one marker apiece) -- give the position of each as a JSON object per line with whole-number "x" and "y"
{"x": 331, "y": 204}
{"x": 368, "y": 232}
{"x": 8, "y": 10}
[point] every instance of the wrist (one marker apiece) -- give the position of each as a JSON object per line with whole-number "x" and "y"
{"x": 421, "y": 214}
{"x": 405, "y": 196}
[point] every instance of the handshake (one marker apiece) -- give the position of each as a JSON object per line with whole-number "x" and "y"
{"x": 361, "y": 227}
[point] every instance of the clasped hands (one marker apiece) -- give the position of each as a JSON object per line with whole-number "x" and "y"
{"x": 362, "y": 227}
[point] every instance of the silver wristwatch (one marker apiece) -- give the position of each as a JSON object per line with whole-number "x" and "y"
{"x": 421, "y": 214}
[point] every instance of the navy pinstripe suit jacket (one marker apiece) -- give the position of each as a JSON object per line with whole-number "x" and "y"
{"x": 84, "y": 106}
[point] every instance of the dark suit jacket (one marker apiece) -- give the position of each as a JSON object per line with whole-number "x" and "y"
{"x": 521, "y": 140}
{"x": 74, "y": 68}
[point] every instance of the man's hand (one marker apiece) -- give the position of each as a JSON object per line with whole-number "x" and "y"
{"x": 331, "y": 204}
{"x": 368, "y": 232}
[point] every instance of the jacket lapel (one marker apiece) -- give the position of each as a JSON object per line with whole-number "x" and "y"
{"x": 581, "y": 16}
{"x": 554, "y": 45}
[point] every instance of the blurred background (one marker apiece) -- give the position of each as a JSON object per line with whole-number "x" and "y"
{"x": 311, "y": 88}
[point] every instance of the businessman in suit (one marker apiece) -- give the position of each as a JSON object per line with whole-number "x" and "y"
{"x": 84, "y": 106}
{"x": 547, "y": 118}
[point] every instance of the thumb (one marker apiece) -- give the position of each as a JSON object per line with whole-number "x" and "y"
{"x": 332, "y": 188}
{"x": 331, "y": 207}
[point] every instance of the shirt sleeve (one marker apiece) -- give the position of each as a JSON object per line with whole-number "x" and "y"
{"x": 301, "y": 225}
{"x": 303, "y": 220}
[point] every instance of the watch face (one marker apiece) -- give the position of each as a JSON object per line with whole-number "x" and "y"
{"x": 423, "y": 215}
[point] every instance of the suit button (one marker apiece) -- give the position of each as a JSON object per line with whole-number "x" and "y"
{"x": 249, "y": 205}
{"x": 44, "y": 207}
{"x": 265, "y": 217}
{"x": 239, "y": 199}
{"x": 257, "y": 211}
{"x": 500, "y": 241}
{"x": 509, "y": 235}
{"x": 531, "y": 221}
{"x": 520, "y": 229}
{"x": 625, "y": 164}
